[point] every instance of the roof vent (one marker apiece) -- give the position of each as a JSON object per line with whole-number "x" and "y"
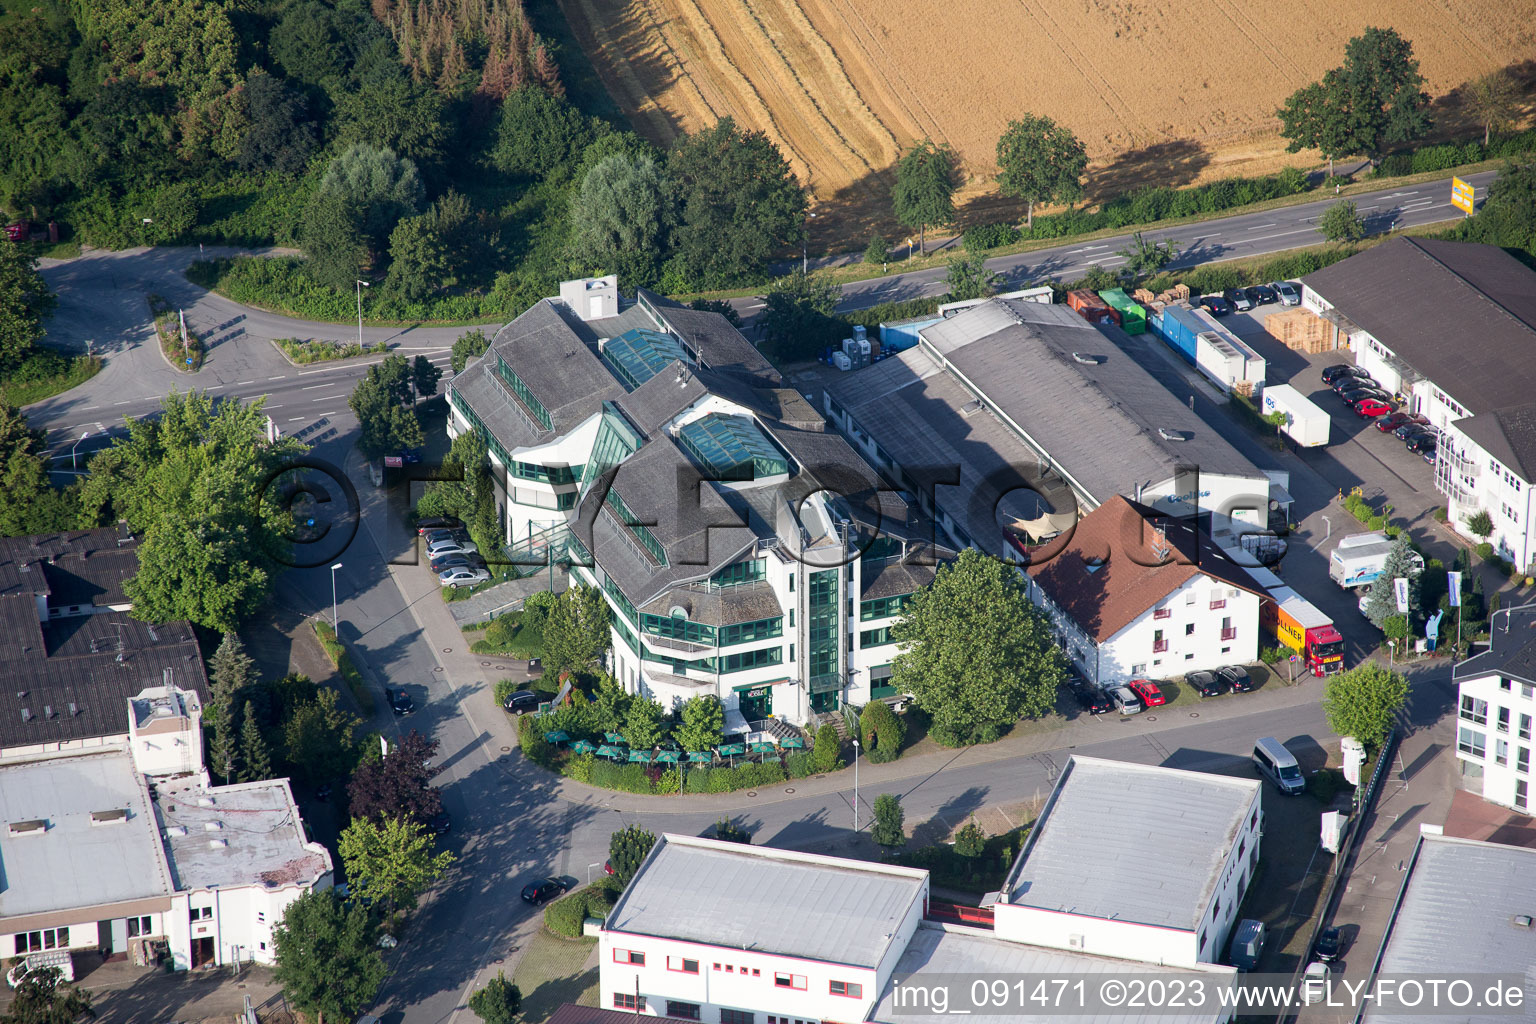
{"x": 176, "y": 830}
{"x": 74, "y": 709}
{"x": 26, "y": 714}
{"x": 217, "y": 844}
{"x": 213, "y": 826}
{"x": 1087, "y": 359}
{"x": 1172, "y": 435}
{"x": 973, "y": 406}
{"x": 110, "y": 817}
{"x": 205, "y": 801}
{"x": 35, "y": 826}
{"x": 1521, "y": 920}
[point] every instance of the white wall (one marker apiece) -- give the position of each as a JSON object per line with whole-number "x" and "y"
{"x": 1499, "y": 781}
{"x": 1130, "y": 653}
{"x": 83, "y": 935}
{"x": 1236, "y": 876}
{"x": 1498, "y": 490}
{"x": 1094, "y": 935}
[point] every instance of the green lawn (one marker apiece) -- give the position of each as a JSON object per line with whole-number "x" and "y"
{"x": 23, "y": 393}
{"x": 553, "y": 971}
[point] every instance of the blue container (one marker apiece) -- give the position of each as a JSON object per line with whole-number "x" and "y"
{"x": 1179, "y": 327}
{"x": 902, "y": 334}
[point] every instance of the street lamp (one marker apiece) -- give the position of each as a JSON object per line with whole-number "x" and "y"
{"x": 855, "y": 789}
{"x": 1391, "y": 654}
{"x": 335, "y": 628}
{"x": 360, "y": 286}
{"x": 805, "y": 256}
{"x": 73, "y": 462}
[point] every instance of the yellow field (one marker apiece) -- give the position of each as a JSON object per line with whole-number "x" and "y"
{"x": 1176, "y": 92}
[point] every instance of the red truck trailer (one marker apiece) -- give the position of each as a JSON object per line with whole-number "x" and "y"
{"x": 1301, "y": 626}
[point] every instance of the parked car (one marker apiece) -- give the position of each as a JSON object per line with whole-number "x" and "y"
{"x": 1247, "y": 944}
{"x": 440, "y": 824}
{"x": 1148, "y": 691}
{"x": 1330, "y": 944}
{"x": 1216, "y": 304}
{"x": 442, "y": 534}
{"x": 1353, "y": 395}
{"x": 399, "y": 701}
{"x": 1206, "y": 684}
{"x": 1351, "y": 382}
{"x": 1420, "y": 443}
{"x": 451, "y": 561}
{"x": 1332, "y": 374}
{"x": 463, "y": 576}
{"x": 1289, "y": 294}
{"x": 1371, "y": 407}
{"x": 521, "y": 701}
{"x": 1236, "y": 677}
{"x": 1409, "y": 431}
{"x": 1314, "y": 983}
{"x": 451, "y": 547}
{"x": 1262, "y": 295}
{"x": 1094, "y": 700}
{"x": 543, "y": 890}
{"x": 1238, "y": 298}
{"x": 1398, "y": 419}
{"x": 1365, "y": 599}
{"x": 438, "y": 523}
{"x": 1430, "y": 455}
{"x": 1125, "y": 700}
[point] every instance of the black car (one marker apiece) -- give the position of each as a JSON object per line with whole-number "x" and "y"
{"x": 1330, "y": 945}
{"x": 1093, "y": 700}
{"x": 440, "y": 824}
{"x": 399, "y": 701}
{"x": 1216, "y": 304}
{"x": 1262, "y": 295}
{"x": 1206, "y": 684}
{"x": 471, "y": 559}
{"x": 1332, "y": 374}
{"x": 1418, "y": 443}
{"x": 1351, "y": 382}
{"x": 1410, "y": 431}
{"x": 543, "y": 890}
{"x": 1236, "y": 678}
{"x": 1238, "y": 299}
{"x": 521, "y": 701}
{"x": 1353, "y": 395}
{"x": 438, "y": 523}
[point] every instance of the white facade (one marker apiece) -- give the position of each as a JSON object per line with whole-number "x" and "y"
{"x": 1474, "y": 481}
{"x": 1493, "y": 737}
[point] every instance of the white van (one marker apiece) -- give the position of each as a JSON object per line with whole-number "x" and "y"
{"x": 1272, "y": 759}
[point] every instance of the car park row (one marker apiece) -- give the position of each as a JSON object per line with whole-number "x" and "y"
{"x": 1139, "y": 694}
{"x": 1371, "y": 401}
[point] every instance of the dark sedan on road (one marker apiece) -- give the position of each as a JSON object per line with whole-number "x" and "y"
{"x": 399, "y": 701}
{"x": 1206, "y": 684}
{"x": 1422, "y": 443}
{"x": 1236, "y": 678}
{"x": 543, "y": 890}
{"x": 1238, "y": 298}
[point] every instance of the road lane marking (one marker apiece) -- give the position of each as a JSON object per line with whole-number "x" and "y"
{"x": 243, "y": 383}
{"x": 119, "y": 403}
{"x": 275, "y": 378}
{"x": 327, "y": 384}
{"x": 1256, "y": 227}
{"x": 328, "y": 414}
{"x": 90, "y": 407}
{"x": 291, "y": 419}
{"x": 323, "y": 398}
{"x": 1278, "y": 234}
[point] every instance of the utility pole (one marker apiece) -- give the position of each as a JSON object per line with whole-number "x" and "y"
{"x": 360, "y": 286}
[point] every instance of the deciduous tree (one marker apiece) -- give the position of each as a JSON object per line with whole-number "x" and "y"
{"x": 1144, "y": 257}
{"x": 1374, "y": 100}
{"x": 381, "y": 401}
{"x": 328, "y": 961}
{"x": 1365, "y": 701}
{"x": 424, "y": 376}
{"x": 1493, "y": 99}
{"x": 642, "y": 725}
{"x": 397, "y": 785}
{"x": 28, "y": 502}
{"x": 975, "y": 651}
{"x": 470, "y": 344}
{"x": 498, "y": 1003}
{"x": 926, "y": 177}
{"x": 1040, "y": 161}
{"x": 577, "y": 629}
{"x": 619, "y": 218}
{"x": 626, "y": 849}
{"x": 890, "y": 821}
{"x": 318, "y": 741}
{"x": 703, "y": 723}
{"x": 539, "y": 134}
{"x": 1315, "y": 117}
{"x": 376, "y": 187}
{"x": 418, "y": 258}
{"x": 1508, "y": 216}
{"x": 44, "y": 997}
{"x": 1341, "y": 222}
{"x": 279, "y": 135}
{"x": 797, "y": 319}
{"x": 24, "y": 301}
{"x": 969, "y": 278}
{"x": 391, "y": 861}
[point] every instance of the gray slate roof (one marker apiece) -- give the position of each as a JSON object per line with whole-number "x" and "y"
{"x": 1462, "y": 314}
{"x": 546, "y": 348}
{"x": 769, "y": 901}
{"x": 81, "y": 567}
{"x": 1131, "y": 842}
{"x": 1511, "y": 652}
{"x": 1456, "y": 917}
{"x": 718, "y": 345}
{"x": 1508, "y": 435}
{"x": 719, "y": 607}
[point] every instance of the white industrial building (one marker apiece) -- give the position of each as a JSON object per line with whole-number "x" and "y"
{"x": 1132, "y": 593}
{"x": 130, "y": 850}
{"x": 1084, "y": 881}
{"x": 726, "y": 932}
{"x": 744, "y": 551}
{"x": 1451, "y": 328}
{"x": 1496, "y": 703}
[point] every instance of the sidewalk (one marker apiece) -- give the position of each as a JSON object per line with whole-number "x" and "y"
{"x": 124, "y": 994}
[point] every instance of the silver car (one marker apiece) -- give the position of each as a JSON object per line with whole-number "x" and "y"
{"x": 462, "y": 576}
{"x": 451, "y": 547}
{"x": 1289, "y": 295}
{"x": 1126, "y": 700}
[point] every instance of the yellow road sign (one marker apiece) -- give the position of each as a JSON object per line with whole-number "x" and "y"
{"x": 1461, "y": 195}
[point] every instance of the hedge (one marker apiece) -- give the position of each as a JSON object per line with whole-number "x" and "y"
{"x": 881, "y": 732}
{"x": 337, "y": 652}
{"x": 566, "y": 915}
{"x": 305, "y": 352}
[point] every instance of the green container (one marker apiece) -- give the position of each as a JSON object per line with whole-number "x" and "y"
{"x": 1133, "y": 318}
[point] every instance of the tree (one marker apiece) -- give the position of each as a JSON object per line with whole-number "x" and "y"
{"x": 610, "y": 704}
{"x": 1040, "y": 161}
{"x": 975, "y": 651}
{"x": 397, "y": 785}
{"x": 28, "y": 502}
{"x": 424, "y": 376}
{"x": 255, "y": 762}
{"x": 642, "y": 725}
{"x": 703, "y": 723}
{"x": 43, "y": 997}
{"x": 890, "y": 820}
{"x": 328, "y": 962}
{"x": 736, "y": 201}
{"x": 1493, "y": 100}
{"x": 375, "y": 188}
{"x": 387, "y": 109}
{"x": 881, "y": 732}
{"x": 1508, "y": 216}
{"x": 1341, "y": 223}
{"x": 1365, "y": 701}
{"x": 827, "y": 748}
{"x": 279, "y": 135}
{"x": 1481, "y": 524}
{"x": 470, "y": 345}
{"x": 970, "y": 841}
{"x": 877, "y": 251}
{"x": 577, "y": 630}
{"x": 335, "y": 248}
{"x": 391, "y": 861}
{"x": 306, "y": 44}
{"x": 1314, "y": 117}
{"x": 418, "y": 258}
{"x": 619, "y": 218}
{"x": 318, "y": 738}
{"x": 381, "y": 401}
{"x": 24, "y": 301}
{"x": 230, "y": 672}
{"x": 1400, "y": 564}
{"x": 1144, "y": 258}
{"x": 498, "y": 1003}
{"x": 727, "y": 831}
{"x": 627, "y": 848}
{"x": 925, "y": 188}
{"x": 539, "y": 135}
{"x": 969, "y": 278}
{"x": 797, "y": 317}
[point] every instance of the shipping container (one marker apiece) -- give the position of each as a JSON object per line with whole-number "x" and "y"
{"x": 1253, "y": 363}
{"x": 1179, "y": 327}
{"x": 1219, "y": 361}
{"x": 1306, "y": 424}
{"x": 1081, "y": 299}
{"x": 1133, "y": 318}
{"x": 898, "y": 335}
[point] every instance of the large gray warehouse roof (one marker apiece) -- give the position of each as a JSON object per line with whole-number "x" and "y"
{"x": 769, "y": 901}
{"x": 1463, "y": 315}
{"x": 1457, "y": 915}
{"x": 1131, "y": 842}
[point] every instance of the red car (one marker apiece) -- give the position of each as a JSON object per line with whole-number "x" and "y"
{"x": 1372, "y": 407}
{"x": 1387, "y": 424}
{"x": 1147, "y": 690}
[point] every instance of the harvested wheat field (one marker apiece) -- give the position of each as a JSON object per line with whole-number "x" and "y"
{"x": 1175, "y": 91}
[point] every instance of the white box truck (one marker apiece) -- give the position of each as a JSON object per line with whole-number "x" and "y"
{"x": 1305, "y": 423}
{"x": 1358, "y": 561}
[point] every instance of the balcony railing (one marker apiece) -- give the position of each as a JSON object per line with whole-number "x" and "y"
{"x": 1162, "y": 613}
{"x": 1229, "y": 634}
{"x": 1218, "y": 603}
{"x": 1159, "y": 646}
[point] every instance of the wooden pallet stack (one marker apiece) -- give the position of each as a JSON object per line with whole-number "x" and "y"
{"x": 1300, "y": 330}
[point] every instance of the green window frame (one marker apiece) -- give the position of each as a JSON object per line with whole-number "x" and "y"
{"x": 644, "y": 536}
{"x": 479, "y": 426}
{"x": 521, "y": 389}
{"x": 883, "y": 607}
{"x": 739, "y": 574}
{"x": 622, "y": 628}
{"x": 617, "y": 597}
{"x": 677, "y": 628}
{"x": 553, "y": 475}
{"x": 747, "y": 660}
{"x": 748, "y": 632}
{"x": 875, "y": 637}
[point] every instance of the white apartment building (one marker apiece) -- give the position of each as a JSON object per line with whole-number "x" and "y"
{"x": 1451, "y": 328}
{"x": 131, "y": 850}
{"x": 1496, "y": 703}
{"x": 744, "y": 551}
{"x": 1079, "y": 882}
{"x": 1134, "y": 594}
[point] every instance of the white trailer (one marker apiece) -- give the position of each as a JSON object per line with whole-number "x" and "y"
{"x": 1218, "y": 360}
{"x": 1358, "y": 561}
{"x": 1306, "y": 424}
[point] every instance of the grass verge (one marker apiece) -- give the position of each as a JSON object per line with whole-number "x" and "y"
{"x": 337, "y": 652}
{"x": 302, "y": 353}
{"x": 551, "y": 972}
{"x": 184, "y": 351}
{"x": 22, "y": 393}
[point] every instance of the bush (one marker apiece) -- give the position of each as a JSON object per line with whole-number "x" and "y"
{"x": 981, "y": 237}
{"x": 1270, "y": 655}
{"x": 504, "y": 689}
{"x": 881, "y": 732}
{"x": 1324, "y": 785}
{"x": 987, "y": 732}
{"x": 337, "y": 652}
{"x": 515, "y": 633}
{"x": 566, "y": 915}
{"x": 626, "y": 778}
{"x": 1440, "y": 514}
{"x": 304, "y": 352}
{"x": 800, "y": 764}
{"x": 530, "y": 738}
{"x": 826, "y": 749}
{"x": 1481, "y": 524}
{"x": 1376, "y": 524}
{"x": 579, "y": 767}
{"x": 878, "y": 251}
{"x": 1485, "y": 551}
